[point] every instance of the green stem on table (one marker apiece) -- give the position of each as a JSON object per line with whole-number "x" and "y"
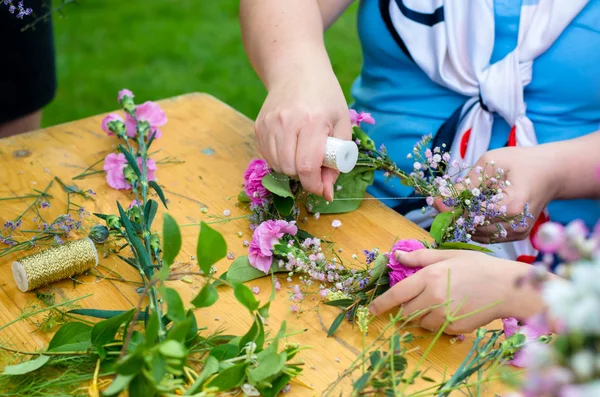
{"x": 24, "y": 316}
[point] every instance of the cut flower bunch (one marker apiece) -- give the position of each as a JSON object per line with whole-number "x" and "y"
{"x": 156, "y": 348}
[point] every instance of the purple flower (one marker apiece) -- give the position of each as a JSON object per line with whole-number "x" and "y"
{"x": 253, "y": 176}
{"x": 265, "y": 237}
{"x": 398, "y": 271}
{"x": 58, "y": 240}
{"x": 255, "y": 290}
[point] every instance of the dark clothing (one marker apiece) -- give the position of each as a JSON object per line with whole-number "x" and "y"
{"x": 27, "y": 65}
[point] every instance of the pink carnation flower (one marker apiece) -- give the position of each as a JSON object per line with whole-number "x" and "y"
{"x": 150, "y": 112}
{"x": 108, "y": 119}
{"x": 265, "y": 237}
{"x": 398, "y": 271}
{"x": 534, "y": 328}
{"x": 114, "y": 165}
{"x": 362, "y": 117}
{"x": 256, "y": 171}
{"x": 124, "y": 92}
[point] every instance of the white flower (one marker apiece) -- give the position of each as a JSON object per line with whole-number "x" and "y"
{"x": 476, "y": 192}
{"x": 226, "y": 213}
{"x": 417, "y": 165}
{"x": 336, "y": 223}
{"x": 507, "y": 183}
{"x": 467, "y": 181}
{"x": 437, "y": 158}
{"x": 583, "y": 364}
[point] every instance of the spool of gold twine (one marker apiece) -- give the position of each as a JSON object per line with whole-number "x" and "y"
{"x": 54, "y": 264}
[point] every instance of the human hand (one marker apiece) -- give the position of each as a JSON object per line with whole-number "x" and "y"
{"x": 474, "y": 282}
{"x": 531, "y": 182}
{"x": 298, "y": 115}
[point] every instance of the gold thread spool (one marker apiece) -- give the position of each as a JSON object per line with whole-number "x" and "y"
{"x": 54, "y": 264}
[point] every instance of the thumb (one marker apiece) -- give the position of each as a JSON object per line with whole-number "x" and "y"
{"x": 424, "y": 257}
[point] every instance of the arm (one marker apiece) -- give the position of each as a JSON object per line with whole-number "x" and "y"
{"x": 305, "y": 103}
{"x": 577, "y": 167}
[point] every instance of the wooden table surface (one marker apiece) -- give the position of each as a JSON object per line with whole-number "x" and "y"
{"x": 216, "y": 143}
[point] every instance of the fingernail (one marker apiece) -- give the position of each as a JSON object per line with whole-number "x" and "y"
{"x": 399, "y": 254}
{"x": 372, "y": 310}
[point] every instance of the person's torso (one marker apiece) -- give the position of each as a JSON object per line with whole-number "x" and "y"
{"x": 563, "y": 98}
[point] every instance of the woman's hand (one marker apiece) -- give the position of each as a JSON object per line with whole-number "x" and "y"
{"x": 474, "y": 282}
{"x": 532, "y": 179}
{"x": 300, "y": 112}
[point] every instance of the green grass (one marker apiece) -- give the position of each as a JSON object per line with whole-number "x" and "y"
{"x": 163, "y": 48}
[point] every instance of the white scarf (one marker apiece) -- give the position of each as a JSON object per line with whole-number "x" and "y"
{"x": 452, "y": 42}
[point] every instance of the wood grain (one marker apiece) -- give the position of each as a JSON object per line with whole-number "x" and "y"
{"x": 216, "y": 143}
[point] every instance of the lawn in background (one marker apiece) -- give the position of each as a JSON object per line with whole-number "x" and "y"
{"x": 163, "y": 48}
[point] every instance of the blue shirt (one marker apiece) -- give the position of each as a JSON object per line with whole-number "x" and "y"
{"x": 563, "y": 99}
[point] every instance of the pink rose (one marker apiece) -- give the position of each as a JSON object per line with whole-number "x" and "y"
{"x": 265, "y": 237}
{"x": 362, "y": 117}
{"x": 398, "y": 271}
{"x": 256, "y": 171}
{"x": 114, "y": 165}
{"x": 124, "y": 92}
{"x": 108, "y": 119}
{"x": 150, "y": 112}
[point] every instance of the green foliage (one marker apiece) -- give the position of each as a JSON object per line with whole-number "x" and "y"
{"x": 207, "y": 297}
{"x": 176, "y": 311}
{"x": 73, "y": 336}
{"x": 171, "y": 240}
{"x": 104, "y": 332}
{"x": 463, "y": 246}
{"x": 440, "y": 225}
{"x": 241, "y": 271}
{"x": 354, "y": 186}
{"x": 211, "y": 247}
{"x": 26, "y": 367}
{"x": 245, "y": 296}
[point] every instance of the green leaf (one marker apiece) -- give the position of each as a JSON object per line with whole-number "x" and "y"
{"x": 70, "y": 333}
{"x": 225, "y": 352}
{"x": 131, "y": 364}
{"x": 141, "y": 386}
{"x": 173, "y": 349}
{"x": 336, "y": 323}
{"x": 276, "y": 387}
{"x": 176, "y": 311}
{"x": 26, "y": 367}
{"x": 211, "y": 366}
{"x": 211, "y": 247}
{"x": 378, "y": 271}
{"x": 159, "y": 368}
{"x": 179, "y": 331}
{"x": 243, "y": 197}
{"x": 152, "y": 329}
{"x": 97, "y": 313}
{"x": 105, "y": 331}
{"x": 255, "y": 334}
{"x": 74, "y": 347}
{"x": 158, "y": 191}
{"x": 245, "y": 297}
{"x": 283, "y": 205}
{"x": 354, "y": 186}
{"x": 150, "y": 212}
{"x": 230, "y": 378}
{"x": 117, "y": 385}
{"x": 264, "y": 310}
{"x": 440, "y": 224}
{"x": 131, "y": 161}
{"x": 270, "y": 365}
{"x": 361, "y": 382}
{"x": 207, "y": 297}
{"x": 141, "y": 251}
{"x": 171, "y": 239}
{"x": 463, "y": 246}
{"x": 340, "y": 302}
{"x": 241, "y": 271}
{"x": 278, "y": 184}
